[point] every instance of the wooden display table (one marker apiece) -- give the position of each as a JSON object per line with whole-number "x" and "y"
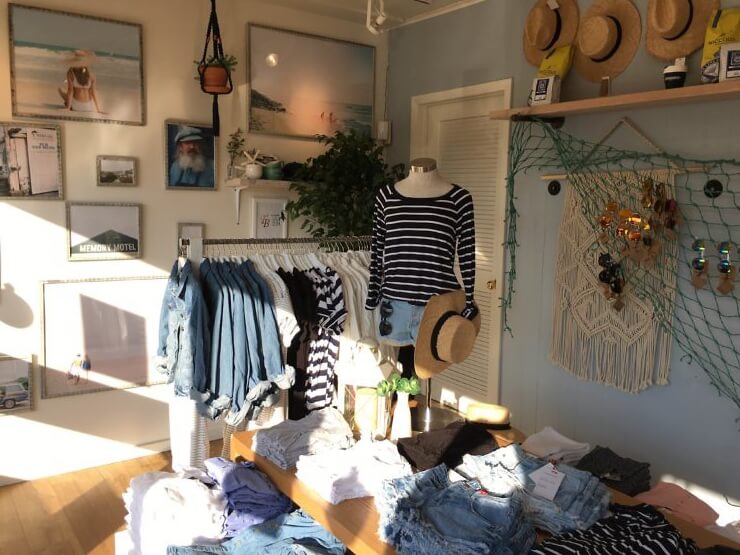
{"x": 355, "y": 521}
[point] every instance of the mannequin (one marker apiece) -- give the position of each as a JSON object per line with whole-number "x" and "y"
{"x": 423, "y": 181}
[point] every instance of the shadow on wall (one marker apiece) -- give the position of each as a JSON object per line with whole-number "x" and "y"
{"x": 15, "y": 312}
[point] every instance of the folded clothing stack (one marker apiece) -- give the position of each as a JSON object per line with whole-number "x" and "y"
{"x": 447, "y": 445}
{"x": 251, "y": 496}
{"x": 355, "y": 472}
{"x": 294, "y": 532}
{"x": 681, "y": 502}
{"x": 579, "y": 501}
{"x": 430, "y": 513}
{"x": 321, "y": 430}
{"x": 620, "y": 473}
{"x": 550, "y": 444}
{"x": 628, "y": 531}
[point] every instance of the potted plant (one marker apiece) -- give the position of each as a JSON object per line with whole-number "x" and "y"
{"x": 214, "y": 73}
{"x": 402, "y": 387}
{"x": 234, "y": 148}
{"x": 337, "y": 189}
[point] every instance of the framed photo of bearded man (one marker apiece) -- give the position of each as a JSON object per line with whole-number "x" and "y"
{"x": 190, "y": 156}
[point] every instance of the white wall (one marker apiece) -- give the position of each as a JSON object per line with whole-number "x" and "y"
{"x": 70, "y": 433}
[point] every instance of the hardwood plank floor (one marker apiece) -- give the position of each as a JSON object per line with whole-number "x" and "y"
{"x": 72, "y": 514}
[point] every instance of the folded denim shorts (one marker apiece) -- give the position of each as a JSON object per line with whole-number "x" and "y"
{"x": 400, "y": 320}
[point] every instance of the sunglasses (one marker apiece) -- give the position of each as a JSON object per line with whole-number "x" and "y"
{"x": 386, "y": 309}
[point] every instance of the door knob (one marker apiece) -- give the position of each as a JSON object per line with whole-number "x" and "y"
{"x": 491, "y": 284}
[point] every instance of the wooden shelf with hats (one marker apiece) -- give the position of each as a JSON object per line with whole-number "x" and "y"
{"x": 632, "y": 101}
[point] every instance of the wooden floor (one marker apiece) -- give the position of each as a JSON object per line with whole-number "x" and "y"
{"x": 75, "y": 513}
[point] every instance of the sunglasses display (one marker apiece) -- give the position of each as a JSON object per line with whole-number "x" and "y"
{"x": 385, "y": 327}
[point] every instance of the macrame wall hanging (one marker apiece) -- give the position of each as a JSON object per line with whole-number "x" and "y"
{"x": 611, "y": 334}
{"x": 214, "y": 71}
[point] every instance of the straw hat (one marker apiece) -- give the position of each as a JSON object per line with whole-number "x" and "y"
{"x": 444, "y": 336}
{"x": 547, "y": 28}
{"x": 81, "y": 58}
{"x": 676, "y": 28}
{"x": 608, "y": 38}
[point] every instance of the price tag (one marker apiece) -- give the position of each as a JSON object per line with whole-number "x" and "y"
{"x": 547, "y": 481}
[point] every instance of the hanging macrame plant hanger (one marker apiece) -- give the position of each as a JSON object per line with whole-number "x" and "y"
{"x": 215, "y": 79}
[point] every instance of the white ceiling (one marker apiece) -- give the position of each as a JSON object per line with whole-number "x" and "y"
{"x": 398, "y": 11}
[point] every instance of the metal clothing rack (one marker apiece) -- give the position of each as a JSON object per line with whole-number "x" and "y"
{"x": 186, "y": 247}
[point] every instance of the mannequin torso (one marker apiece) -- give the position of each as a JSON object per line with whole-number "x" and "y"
{"x": 423, "y": 181}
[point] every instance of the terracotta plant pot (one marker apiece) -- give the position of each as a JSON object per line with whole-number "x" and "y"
{"x": 215, "y": 79}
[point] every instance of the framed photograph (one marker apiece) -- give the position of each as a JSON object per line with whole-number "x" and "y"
{"x": 269, "y": 220}
{"x": 103, "y": 231}
{"x": 302, "y": 85}
{"x": 116, "y": 171}
{"x": 100, "y": 334}
{"x": 16, "y": 384}
{"x": 87, "y": 69}
{"x": 191, "y": 231}
{"x": 30, "y": 161}
{"x": 191, "y": 156}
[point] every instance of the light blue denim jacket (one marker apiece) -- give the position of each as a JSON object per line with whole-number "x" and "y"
{"x": 184, "y": 334}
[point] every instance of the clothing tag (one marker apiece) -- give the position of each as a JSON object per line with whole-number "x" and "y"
{"x": 547, "y": 481}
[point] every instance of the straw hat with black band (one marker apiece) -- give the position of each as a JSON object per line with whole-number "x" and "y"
{"x": 444, "y": 337}
{"x": 676, "y": 28}
{"x": 608, "y": 39}
{"x": 550, "y": 24}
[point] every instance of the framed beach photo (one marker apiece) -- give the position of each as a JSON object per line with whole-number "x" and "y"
{"x": 72, "y": 66}
{"x": 116, "y": 171}
{"x": 16, "y": 384}
{"x": 103, "y": 231}
{"x": 269, "y": 219}
{"x": 191, "y": 156}
{"x": 303, "y": 85}
{"x": 30, "y": 161}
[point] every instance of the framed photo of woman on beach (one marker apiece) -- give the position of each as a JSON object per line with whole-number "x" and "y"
{"x": 304, "y": 85}
{"x": 72, "y": 66}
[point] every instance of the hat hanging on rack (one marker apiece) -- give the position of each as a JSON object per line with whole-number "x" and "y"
{"x": 445, "y": 337}
{"x": 550, "y": 24}
{"x": 608, "y": 39}
{"x": 676, "y": 28}
{"x": 214, "y": 64}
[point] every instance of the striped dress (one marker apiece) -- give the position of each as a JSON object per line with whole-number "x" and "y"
{"x": 414, "y": 245}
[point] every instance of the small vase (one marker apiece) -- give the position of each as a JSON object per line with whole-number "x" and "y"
{"x": 401, "y": 426}
{"x": 253, "y": 171}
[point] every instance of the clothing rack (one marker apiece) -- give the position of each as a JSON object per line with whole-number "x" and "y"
{"x": 187, "y": 247}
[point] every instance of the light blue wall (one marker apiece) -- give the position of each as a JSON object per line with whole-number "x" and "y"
{"x": 684, "y": 429}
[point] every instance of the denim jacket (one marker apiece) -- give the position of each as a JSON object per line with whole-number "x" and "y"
{"x": 184, "y": 334}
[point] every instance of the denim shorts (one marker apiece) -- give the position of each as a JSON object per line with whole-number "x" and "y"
{"x": 404, "y": 320}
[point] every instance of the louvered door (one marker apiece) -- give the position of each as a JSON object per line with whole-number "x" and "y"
{"x": 471, "y": 150}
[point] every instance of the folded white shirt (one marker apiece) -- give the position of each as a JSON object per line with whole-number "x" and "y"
{"x": 356, "y": 472}
{"x": 551, "y": 444}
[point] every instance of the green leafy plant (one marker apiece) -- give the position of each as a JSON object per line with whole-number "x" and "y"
{"x": 227, "y": 61}
{"x": 235, "y": 146}
{"x": 336, "y": 190}
{"x": 396, "y": 383}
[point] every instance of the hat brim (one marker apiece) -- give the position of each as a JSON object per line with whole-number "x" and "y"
{"x": 425, "y": 365}
{"x": 570, "y": 16}
{"x": 629, "y": 17}
{"x": 691, "y": 41}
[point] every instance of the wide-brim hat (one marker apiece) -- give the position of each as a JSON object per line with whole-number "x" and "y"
{"x": 81, "y": 58}
{"x": 445, "y": 337}
{"x": 676, "y": 28}
{"x": 608, "y": 39}
{"x": 547, "y": 28}
{"x": 187, "y": 133}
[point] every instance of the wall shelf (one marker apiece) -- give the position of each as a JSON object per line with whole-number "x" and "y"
{"x": 661, "y": 97}
{"x": 241, "y": 183}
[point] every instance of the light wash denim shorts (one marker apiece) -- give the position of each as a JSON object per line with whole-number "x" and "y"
{"x": 400, "y": 320}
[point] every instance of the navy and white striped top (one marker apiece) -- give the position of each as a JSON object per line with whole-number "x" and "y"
{"x": 413, "y": 247}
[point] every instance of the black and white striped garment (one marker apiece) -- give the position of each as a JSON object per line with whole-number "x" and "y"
{"x": 638, "y": 530}
{"x": 323, "y": 352}
{"x": 412, "y": 254}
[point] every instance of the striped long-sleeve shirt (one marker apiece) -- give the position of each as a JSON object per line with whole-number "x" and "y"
{"x": 414, "y": 244}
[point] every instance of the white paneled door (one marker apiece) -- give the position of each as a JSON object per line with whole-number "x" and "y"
{"x": 471, "y": 150}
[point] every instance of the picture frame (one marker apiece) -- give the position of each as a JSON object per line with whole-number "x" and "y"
{"x": 100, "y": 334}
{"x": 16, "y": 384}
{"x": 103, "y": 231}
{"x": 89, "y": 69}
{"x": 116, "y": 171}
{"x": 303, "y": 85}
{"x": 31, "y": 161}
{"x": 196, "y": 144}
{"x": 269, "y": 219}
{"x": 189, "y": 230}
